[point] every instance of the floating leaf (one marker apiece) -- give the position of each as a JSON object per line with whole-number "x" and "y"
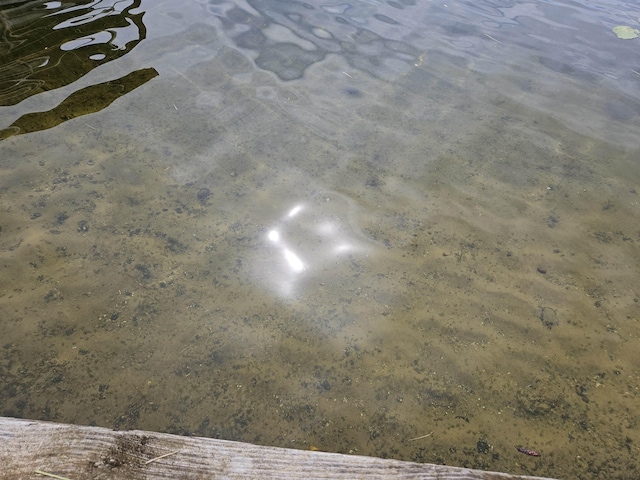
{"x": 626, "y": 33}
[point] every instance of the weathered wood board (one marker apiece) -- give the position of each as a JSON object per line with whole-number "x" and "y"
{"x": 82, "y": 453}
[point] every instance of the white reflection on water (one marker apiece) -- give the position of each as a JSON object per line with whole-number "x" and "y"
{"x": 310, "y": 243}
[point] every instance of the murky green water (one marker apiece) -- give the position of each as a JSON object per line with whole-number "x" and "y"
{"x": 326, "y": 225}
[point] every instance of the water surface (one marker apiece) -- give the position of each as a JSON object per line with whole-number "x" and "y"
{"x": 400, "y": 229}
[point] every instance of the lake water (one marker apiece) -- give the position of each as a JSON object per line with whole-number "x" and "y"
{"x": 406, "y": 229}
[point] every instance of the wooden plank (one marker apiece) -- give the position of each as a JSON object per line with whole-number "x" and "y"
{"x": 82, "y": 453}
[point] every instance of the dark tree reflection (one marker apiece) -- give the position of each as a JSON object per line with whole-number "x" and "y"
{"x": 46, "y": 45}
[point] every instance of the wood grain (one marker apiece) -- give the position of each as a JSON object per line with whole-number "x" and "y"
{"x": 82, "y": 453}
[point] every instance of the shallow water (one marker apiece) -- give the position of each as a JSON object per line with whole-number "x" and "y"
{"x": 338, "y": 226}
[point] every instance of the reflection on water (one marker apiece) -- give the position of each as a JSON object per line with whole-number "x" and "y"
{"x": 83, "y": 102}
{"x": 47, "y": 45}
{"x": 291, "y": 36}
{"x": 401, "y": 229}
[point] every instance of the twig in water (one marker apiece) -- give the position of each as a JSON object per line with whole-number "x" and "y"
{"x": 40, "y": 472}
{"x": 161, "y": 456}
{"x": 423, "y": 436}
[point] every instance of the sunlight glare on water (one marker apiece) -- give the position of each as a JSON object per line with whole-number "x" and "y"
{"x": 308, "y": 241}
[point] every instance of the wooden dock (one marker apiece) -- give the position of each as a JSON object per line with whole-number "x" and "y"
{"x": 43, "y": 450}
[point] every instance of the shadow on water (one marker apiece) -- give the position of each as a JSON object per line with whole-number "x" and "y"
{"x": 317, "y": 228}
